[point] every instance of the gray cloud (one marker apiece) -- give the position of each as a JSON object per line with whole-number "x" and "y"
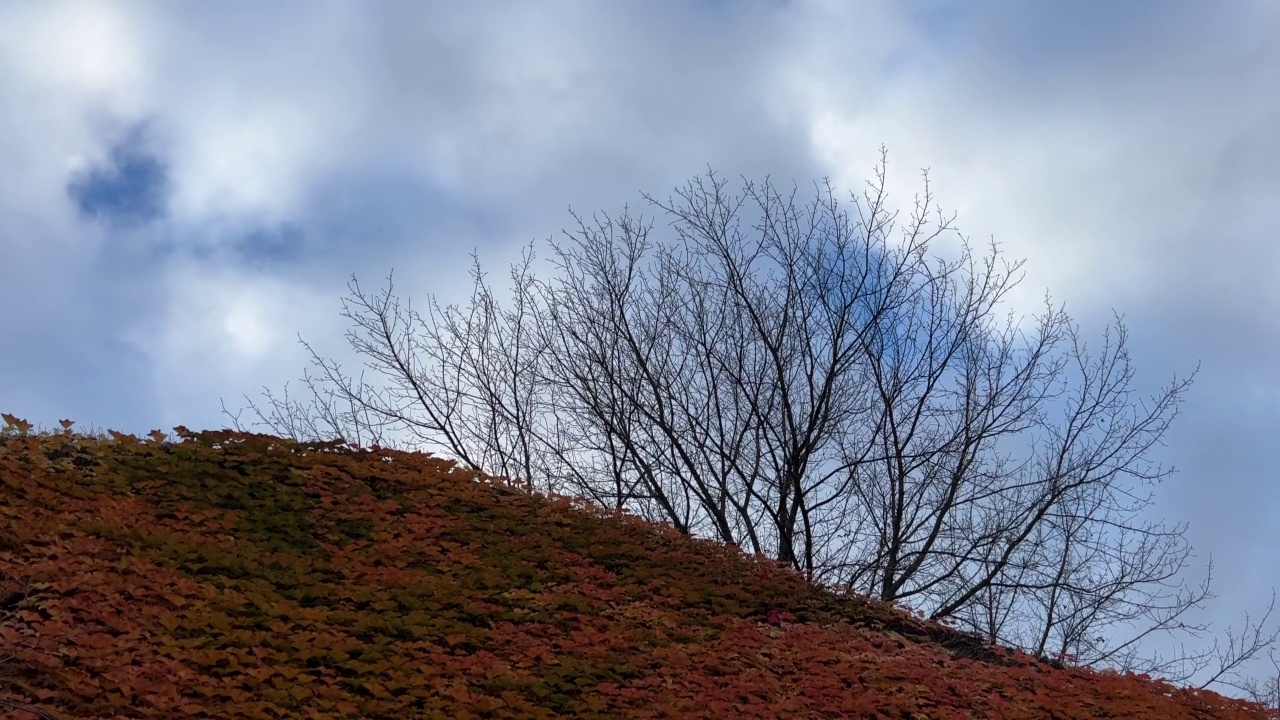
{"x": 1128, "y": 151}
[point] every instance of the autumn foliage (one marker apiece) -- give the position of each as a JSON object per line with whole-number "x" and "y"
{"x": 234, "y": 575}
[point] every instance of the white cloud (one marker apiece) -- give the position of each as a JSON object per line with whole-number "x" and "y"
{"x": 1133, "y": 166}
{"x": 76, "y": 48}
{"x": 1100, "y": 180}
{"x": 253, "y": 119}
{"x": 67, "y": 70}
{"x": 226, "y": 331}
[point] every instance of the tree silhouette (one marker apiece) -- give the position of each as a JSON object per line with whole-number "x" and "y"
{"x": 817, "y": 388}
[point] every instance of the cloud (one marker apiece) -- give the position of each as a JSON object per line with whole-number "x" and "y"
{"x": 66, "y": 70}
{"x": 223, "y": 328}
{"x": 185, "y": 187}
{"x": 1093, "y": 164}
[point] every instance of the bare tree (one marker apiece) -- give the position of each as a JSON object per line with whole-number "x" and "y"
{"x": 1267, "y": 694}
{"x": 820, "y": 389}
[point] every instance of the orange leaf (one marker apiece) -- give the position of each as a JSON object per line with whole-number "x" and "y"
{"x": 22, "y": 425}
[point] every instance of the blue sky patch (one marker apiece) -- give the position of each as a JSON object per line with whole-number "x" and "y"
{"x": 132, "y": 188}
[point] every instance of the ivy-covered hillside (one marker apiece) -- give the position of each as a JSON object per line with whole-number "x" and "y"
{"x": 230, "y": 575}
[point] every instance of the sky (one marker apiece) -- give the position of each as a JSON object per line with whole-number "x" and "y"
{"x": 185, "y": 188}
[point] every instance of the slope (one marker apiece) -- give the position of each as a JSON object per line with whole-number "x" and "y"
{"x": 230, "y": 575}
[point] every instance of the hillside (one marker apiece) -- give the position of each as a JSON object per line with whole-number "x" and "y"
{"x": 229, "y": 575}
